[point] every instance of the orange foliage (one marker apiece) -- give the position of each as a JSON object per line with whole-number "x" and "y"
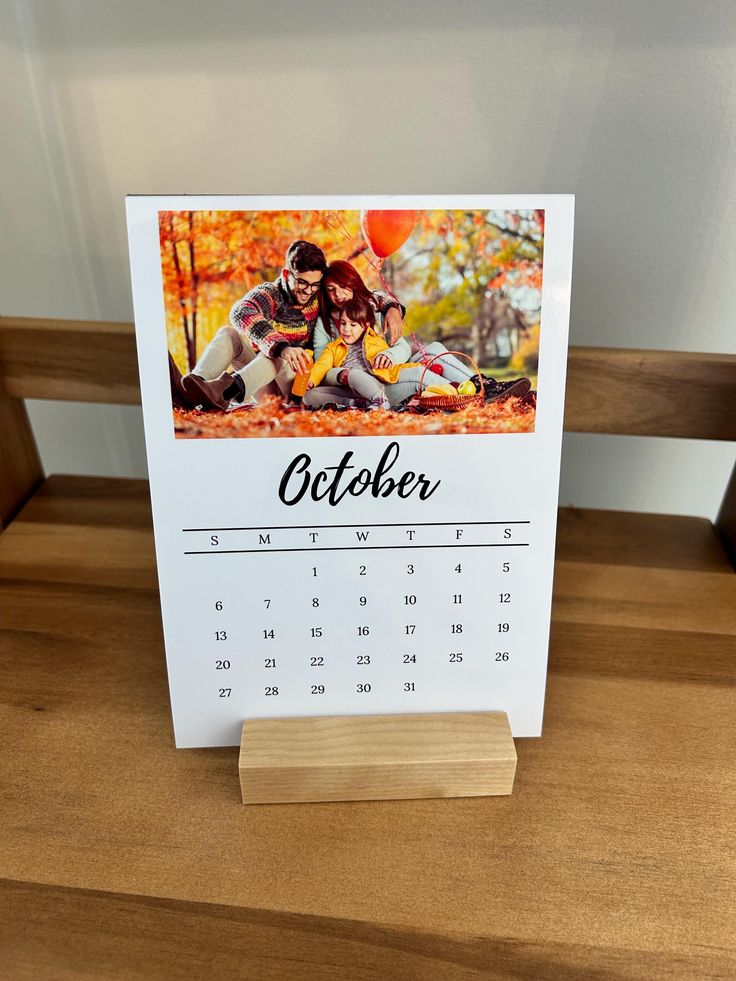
{"x": 270, "y": 418}
{"x": 209, "y": 259}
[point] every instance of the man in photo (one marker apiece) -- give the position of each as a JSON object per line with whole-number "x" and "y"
{"x": 269, "y": 329}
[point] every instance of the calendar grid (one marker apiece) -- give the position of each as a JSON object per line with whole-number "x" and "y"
{"x": 384, "y": 631}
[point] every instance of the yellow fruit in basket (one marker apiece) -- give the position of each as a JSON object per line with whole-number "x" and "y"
{"x": 467, "y": 388}
{"x": 426, "y": 394}
{"x": 442, "y": 390}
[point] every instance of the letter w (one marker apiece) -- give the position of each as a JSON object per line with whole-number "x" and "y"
{"x": 362, "y": 535}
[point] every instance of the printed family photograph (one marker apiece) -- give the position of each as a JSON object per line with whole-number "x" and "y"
{"x": 352, "y": 323}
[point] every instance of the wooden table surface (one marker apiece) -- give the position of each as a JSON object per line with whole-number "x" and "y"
{"x": 123, "y": 857}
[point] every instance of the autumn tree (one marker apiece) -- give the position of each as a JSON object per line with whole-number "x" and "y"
{"x": 463, "y": 270}
{"x": 211, "y": 258}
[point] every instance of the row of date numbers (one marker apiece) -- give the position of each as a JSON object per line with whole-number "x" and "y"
{"x": 315, "y": 633}
{"x": 361, "y": 688}
{"x": 362, "y": 660}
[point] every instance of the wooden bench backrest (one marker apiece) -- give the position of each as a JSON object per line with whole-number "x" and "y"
{"x": 609, "y": 390}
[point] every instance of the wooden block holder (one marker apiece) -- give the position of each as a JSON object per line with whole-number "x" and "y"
{"x": 376, "y": 757}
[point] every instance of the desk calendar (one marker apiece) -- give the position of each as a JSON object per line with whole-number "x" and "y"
{"x": 353, "y": 411}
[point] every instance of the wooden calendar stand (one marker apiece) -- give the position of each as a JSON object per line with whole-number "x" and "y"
{"x": 376, "y": 757}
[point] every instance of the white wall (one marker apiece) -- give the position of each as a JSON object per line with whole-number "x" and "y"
{"x": 629, "y": 105}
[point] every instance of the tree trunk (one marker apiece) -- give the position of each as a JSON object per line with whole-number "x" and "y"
{"x": 192, "y": 338}
{"x": 477, "y": 339}
{"x": 182, "y": 300}
{"x": 479, "y": 330}
{"x": 389, "y": 274}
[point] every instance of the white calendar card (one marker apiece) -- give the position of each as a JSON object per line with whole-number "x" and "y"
{"x": 353, "y": 410}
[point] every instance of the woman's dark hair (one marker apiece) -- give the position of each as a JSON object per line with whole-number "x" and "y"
{"x": 344, "y": 274}
{"x": 303, "y": 256}
{"x": 340, "y": 271}
{"x": 360, "y": 311}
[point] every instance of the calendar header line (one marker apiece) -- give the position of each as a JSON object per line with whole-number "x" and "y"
{"x": 385, "y": 524}
{"x": 350, "y": 548}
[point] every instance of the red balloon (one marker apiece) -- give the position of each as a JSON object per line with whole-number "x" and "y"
{"x": 386, "y": 231}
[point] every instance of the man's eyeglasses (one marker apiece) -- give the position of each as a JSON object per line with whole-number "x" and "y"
{"x": 302, "y": 284}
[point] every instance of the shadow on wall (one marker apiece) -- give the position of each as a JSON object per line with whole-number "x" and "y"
{"x": 81, "y": 24}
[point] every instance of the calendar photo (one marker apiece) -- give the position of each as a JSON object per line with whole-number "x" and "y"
{"x": 326, "y": 322}
{"x": 314, "y": 557}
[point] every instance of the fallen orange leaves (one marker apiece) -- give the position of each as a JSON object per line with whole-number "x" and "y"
{"x": 270, "y": 418}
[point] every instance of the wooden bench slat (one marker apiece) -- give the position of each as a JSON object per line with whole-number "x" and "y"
{"x": 651, "y": 393}
{"x": 70, "y": 360}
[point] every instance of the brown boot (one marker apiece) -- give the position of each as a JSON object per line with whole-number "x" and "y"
{"x": 210, "y": 394}
{"x": 179, "y": 398}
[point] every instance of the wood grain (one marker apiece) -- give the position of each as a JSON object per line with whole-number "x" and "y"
{"x": 638, "y": 539}
{"x": 613, "y": 857}
{"x": 70, "y": 934}
{"x": 651, "y": 393}
{"x": 726, "y": 521}
{"x": 376, "y": 757}
{"x": 70, "y": 360}
{"x": 21, "y": 472}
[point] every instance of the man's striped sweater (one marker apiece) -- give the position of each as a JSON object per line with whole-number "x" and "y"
{"x": 271, "y": 320}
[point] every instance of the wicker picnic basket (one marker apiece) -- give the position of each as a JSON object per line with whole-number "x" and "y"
{"x": 449, "y": 402}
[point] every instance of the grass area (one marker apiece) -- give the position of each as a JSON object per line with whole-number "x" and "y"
{"x": 505, "y": 373}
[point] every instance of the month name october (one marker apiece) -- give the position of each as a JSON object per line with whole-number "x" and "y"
{"x": 335, "y": 483}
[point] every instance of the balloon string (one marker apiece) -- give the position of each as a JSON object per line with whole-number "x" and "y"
{"x": 344, "y": 228}
{"x": 379, "y": 269}
{"x": 376, "y": 265}
{"x": 337, "y": 224}
{"x": 420, "y": 348}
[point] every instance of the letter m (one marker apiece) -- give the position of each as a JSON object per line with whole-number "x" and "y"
{"x": 264, "y": 539}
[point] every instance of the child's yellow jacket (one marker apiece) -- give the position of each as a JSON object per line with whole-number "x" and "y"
{"x": 336, "y": 352}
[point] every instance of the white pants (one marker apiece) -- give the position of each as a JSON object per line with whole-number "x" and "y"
{"x": 227, "y": 351}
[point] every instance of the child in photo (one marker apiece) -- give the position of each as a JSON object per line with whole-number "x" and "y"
{"x": 359, "y": 353}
